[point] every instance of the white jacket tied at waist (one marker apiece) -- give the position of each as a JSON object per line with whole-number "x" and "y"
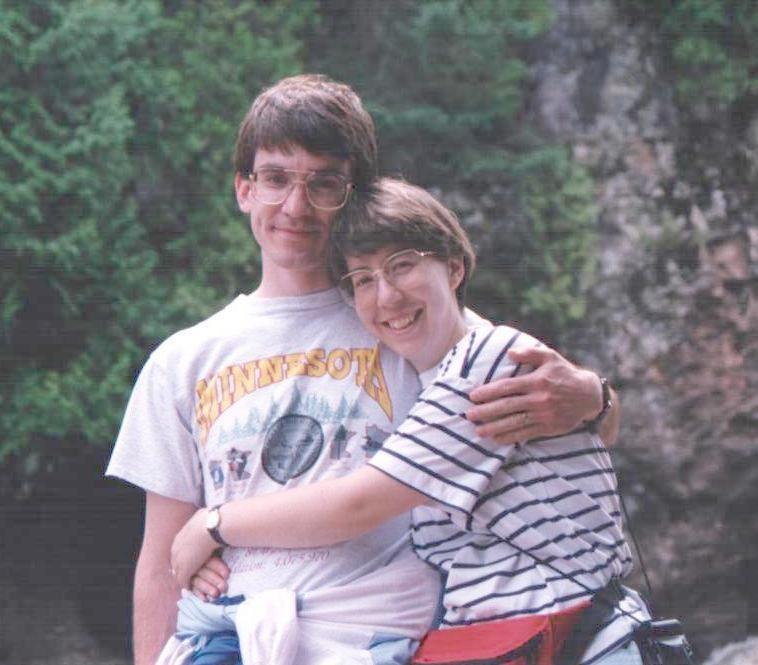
{"x": 326, "y": 626}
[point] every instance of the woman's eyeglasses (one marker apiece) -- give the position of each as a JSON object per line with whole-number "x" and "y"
{"x": 398, "y": 270}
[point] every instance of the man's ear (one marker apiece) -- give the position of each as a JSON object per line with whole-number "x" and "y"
{"x": 243, "y": 191}
{"x": 456, "y": 269}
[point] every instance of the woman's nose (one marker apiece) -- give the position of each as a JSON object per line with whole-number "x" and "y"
{"x": 386, "y": 291}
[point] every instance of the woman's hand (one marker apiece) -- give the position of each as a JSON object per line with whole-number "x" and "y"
{"x": 210, "y": 581}
{"x": 191, "y": 548}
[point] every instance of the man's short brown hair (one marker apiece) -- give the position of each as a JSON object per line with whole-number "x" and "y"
{"x": 394, "y": 212}
{"x": 316, "y": 113}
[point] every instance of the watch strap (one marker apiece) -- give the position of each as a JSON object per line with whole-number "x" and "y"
{"x": 213, "y": 531}
{"x": 593, "y": 424}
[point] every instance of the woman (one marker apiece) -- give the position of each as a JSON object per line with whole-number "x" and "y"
{"x": 526, "y": 536}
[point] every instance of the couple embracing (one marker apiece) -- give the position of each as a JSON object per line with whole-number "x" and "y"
{"x": 354, "y": 514}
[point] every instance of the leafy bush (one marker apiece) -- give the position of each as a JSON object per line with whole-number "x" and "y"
{"x": 538, "y": 256}
{"x": 443, "y": 79}
{"x": 117, "y": 121}
{"x": 447, "y": 83}
{"x": 712, "y": 48}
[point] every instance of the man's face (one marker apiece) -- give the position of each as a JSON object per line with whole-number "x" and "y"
{"x": 292, "y": 234}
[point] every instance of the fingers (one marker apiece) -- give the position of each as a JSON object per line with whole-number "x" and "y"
{"x": 218, "y": 566}
{"x": 498, "y": 409}
{"x": 511, "y": 429}
{"x": 203, "y": 589}
{"x": 504, "y": 387}
{"x": 533, "y": 355}
{"x": 210, "y": 580}
{"x": 211, "y": 577}
{"x": 513, "y": 436}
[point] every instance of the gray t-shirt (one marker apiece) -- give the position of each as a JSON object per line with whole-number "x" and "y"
{"x": 269, "y": 394}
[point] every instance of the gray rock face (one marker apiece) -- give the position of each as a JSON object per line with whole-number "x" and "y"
{"x": 675, "y": 311}
{"x": 740, "y": 653}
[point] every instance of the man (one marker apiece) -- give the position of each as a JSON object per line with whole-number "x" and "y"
{"x": 284, "y": 387}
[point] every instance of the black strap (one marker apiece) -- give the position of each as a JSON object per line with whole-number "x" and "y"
{"x": 599, "y": 612}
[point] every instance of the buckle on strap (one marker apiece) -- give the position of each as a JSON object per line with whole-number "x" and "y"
{"x": 597, "y": 613}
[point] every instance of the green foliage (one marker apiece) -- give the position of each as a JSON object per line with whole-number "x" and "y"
{"x": 117, "y": 121}
{"x": 559, "y": 200}
{"x": 542, "y": 272}
{"x": 446, "y": 82}
{"x": 443, "y": 79}
{"x": 712, "y": 46}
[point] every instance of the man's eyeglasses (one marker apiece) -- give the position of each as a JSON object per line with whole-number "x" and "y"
{"x": 325, "y": 191}
{"x": 398, "y": 270}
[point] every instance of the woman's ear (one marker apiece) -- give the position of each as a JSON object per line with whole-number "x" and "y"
{"x": 456, "y": 269}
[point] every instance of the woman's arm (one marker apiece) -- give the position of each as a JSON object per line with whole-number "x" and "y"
{"x": 324, "y": 513}
{"x": 336, "y": 510}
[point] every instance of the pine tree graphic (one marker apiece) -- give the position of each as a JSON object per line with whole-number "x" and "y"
{"x": 339, "y": 443}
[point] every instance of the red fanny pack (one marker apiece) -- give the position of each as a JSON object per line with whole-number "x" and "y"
{"x": 528, "y": 640}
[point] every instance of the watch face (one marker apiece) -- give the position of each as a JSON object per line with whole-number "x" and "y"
{"x": 212, "y": 519}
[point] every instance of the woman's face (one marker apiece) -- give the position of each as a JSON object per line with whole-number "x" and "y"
{"x": 409, "y": 302}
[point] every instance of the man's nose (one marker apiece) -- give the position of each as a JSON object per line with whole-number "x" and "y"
{"x": 297, "y": 203}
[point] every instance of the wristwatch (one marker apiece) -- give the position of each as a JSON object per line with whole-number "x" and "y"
{"x": 212, "y": 523}
{"x": 593, "y": 424}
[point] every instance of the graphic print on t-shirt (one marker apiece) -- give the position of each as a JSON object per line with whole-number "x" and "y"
{"x": 229, "y": 385}
{"x": 216, "y": 472}
{"x": 237, "y": 461}
{"x": 294, "y": 429}
{"x": 374, "y": 439}
{"x": 291, "y": 447}
{"x": 338, "y": 446}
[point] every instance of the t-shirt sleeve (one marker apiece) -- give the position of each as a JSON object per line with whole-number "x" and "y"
{"x": 436, "y": 450}
{"x": 155, "y": 449}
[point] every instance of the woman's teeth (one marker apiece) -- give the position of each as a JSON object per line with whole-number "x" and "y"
{"x": 401, "y": 322}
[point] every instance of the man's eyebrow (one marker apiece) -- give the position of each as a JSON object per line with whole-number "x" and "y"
{"x": 268, "y": 165}
{"x": 329, "y": 170}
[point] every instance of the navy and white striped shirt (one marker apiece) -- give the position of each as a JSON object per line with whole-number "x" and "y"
{"x": 531, "y": 528}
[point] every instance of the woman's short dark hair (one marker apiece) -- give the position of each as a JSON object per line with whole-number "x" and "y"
{"x": 394, "y": 212}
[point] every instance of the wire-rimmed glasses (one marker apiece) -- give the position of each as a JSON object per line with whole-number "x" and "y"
{"x": 324, "y": 190}
{"x": 397, "y": 269}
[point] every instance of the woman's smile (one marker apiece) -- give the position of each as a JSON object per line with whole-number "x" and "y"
{"x": 401, "y": 323}
{"x": 414, "y": 311}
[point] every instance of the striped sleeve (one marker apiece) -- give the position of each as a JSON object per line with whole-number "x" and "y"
{"x": 436, "y": 450}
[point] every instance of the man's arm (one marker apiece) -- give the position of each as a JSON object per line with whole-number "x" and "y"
{"x": 155, "y": 589}
{"x": 556, "y": 398}
{"x": 314, "y": 515}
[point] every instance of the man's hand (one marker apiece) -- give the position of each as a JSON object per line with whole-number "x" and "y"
{"x": 210, "y": 581}
{"x": 191, "y": 548}
{"x": 553, "y": 399}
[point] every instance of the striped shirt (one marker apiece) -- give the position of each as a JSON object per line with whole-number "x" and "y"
{"x": 526, "y": 529}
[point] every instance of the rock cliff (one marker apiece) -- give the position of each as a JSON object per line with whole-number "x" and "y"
{"x": 674, "y": 310}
